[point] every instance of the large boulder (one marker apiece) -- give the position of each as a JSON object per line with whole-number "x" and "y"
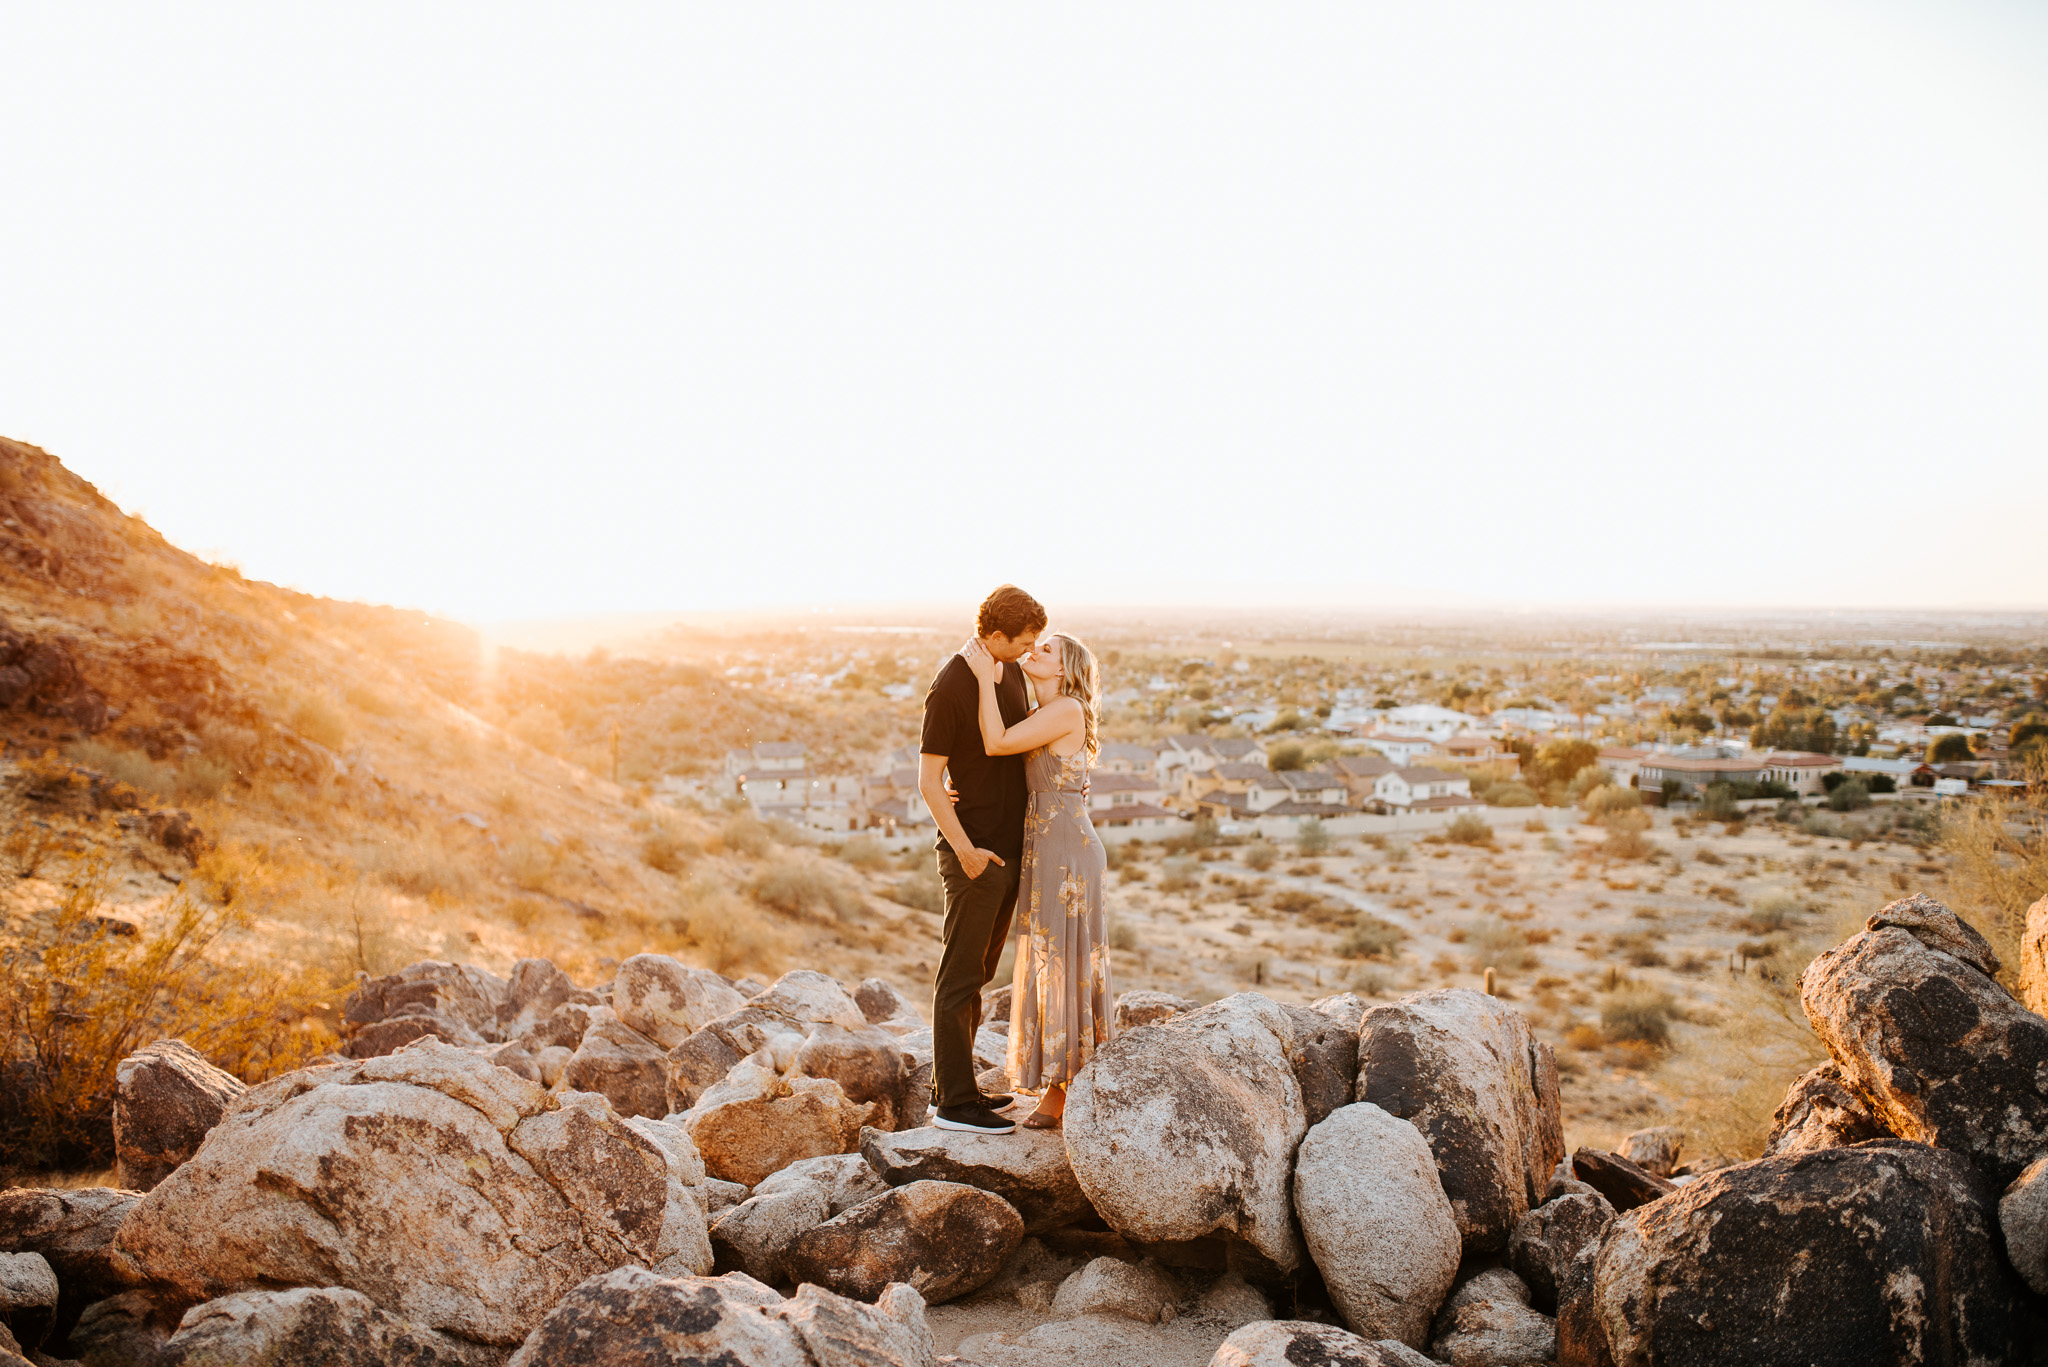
{"x": 534, "y": 989}
{"x": 1134, "y": 1009}
{"x": 2023, "y": 1220}
{"x": 668, "y": 1001}
{"x": 74, "y": 1232}
{"x": 1883, "y": 1252}
{"x": 633, "y": 1318}
{"x": 867, "y": 1065}
{"x": 753, "y": 1234}
{"x": 1654, "y": 1150}
{"x": 943, "y": 1238}
{"x": 704, "y": 1059}
{"x": 620, "y": 1064}
{"x": 463, "y": 994}
{"x": 1188, "y": 1128}
{"x": 1029, "y": 1169}
{"x": 453, "y": 1194}
{"x": 1487, "y": 1322}
{"x": 1625, "y": 1185}
{"x": 758, "y": 1122}
{"x": 329, "y": 1325}
{"x": 28, "y": 1296}
{"x": 1377, "y": 1221}
{"x": 2034, "y": 959}
{"x": 1324, "y": 1052}
{"x": 882, "y": 1004}
{"x": 1462, "y": 1067}
{"x": 1944, "y": 1055}
{"x": 1145, "y": 1291}
{"x": 810, "y": 998}
{"x": 1820, "y": 1111}
{"x": 379, "y": 1038}
{"x": 1304, "y": 1343}
{"x": 166, "y": 1097}
{"x": 1547, "y": 1239}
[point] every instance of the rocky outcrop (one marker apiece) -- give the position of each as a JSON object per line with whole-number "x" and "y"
{"x": 1820, "y": 1111}
{"x": 1487, "y": 1322}
{"x": 753, "y": 1234}
{"x": 1879, "y": 1253}
{"x": 1547, "y": 1239}
{"x": 1304, "y": 1343}
{"x": 533, "y": 991}
{"x": 943, "y": 1238}
{"x": 1324, "y": 1052}
{"x": 1347, "y": 1007}
{"x": 808, "y": 999}
{"x": 28, "y": 1296}
{"x": 1625, "y": 1185}
{"x": 621, "y": 1064}
{"x": 704, "y": 1059}
{"x": 633, "y": 1318}
{"x": 460, "y": 993}
{"x": 666, "y": 1001}
{"x": 1134, "y": 1009}
{"x": 1654, "y": 1150}
{"x": 328, "y": 1325}
{"x": 453, "y": 1194}
{"x": 1377, "y": 1221}
{"x": 1029, "y": 1169}
{"x": 74, "y": 1232}
{"x": 1463, "y": 1068}
{"x": 1943, "y": 1054}
{"x": 868, "y": 1066}
{"x": 2023, "y": 1220}
{"x": 2034, "y": 959}
{"x": 882, "y": 1004}
{"x": 1143, "y": 1291}
{"x": 166, "y": 1097}
{"x": 757, "y": 1122}
{"x": 1188, "y": 1128}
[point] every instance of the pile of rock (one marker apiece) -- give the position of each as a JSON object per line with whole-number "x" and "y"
{"x": 496, "y": 1186}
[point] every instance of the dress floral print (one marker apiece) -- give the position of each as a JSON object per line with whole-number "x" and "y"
{"x": 1060, "y": 1003}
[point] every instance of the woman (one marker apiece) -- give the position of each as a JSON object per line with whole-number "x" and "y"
{"x": 1060, "y": 1003}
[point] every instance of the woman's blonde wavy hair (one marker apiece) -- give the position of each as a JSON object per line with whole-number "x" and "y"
{"x": 1081, "y": 681}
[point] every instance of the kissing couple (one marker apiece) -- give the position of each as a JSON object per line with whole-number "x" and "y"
{"x": 1011, "y": 719}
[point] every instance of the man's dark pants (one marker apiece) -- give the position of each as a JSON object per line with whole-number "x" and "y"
{"x": 978, "y": 912}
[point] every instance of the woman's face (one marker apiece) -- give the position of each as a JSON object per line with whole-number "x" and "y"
{"x": 1042, "y": 664}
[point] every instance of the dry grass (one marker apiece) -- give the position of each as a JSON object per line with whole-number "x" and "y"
{"x": 1998, "y": 850}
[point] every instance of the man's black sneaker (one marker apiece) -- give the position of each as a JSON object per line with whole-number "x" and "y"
{"x": 998, "y": 1101}
{"x": 973, "y": 1119}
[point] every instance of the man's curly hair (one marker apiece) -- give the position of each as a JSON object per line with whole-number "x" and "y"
{"x": 1011, "y": 612}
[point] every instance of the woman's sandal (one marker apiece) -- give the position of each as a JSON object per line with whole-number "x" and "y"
{"x": 1037, "y": 1121}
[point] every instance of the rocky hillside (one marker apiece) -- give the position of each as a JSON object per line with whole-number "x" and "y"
{"x": 263, "y": 794}
{"x": 676, "y": 1167}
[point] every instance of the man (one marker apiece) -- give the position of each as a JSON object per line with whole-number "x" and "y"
{"x": 981, "y": 842}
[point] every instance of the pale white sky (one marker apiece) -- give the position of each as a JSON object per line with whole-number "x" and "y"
{"x": 515, "y": 310}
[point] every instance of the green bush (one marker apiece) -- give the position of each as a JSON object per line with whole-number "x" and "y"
{"x": 1286, "y": 755}
{"x": 1718, "y": 803}
{"x": 1511, "y": 795}
{"x": 1312, "y": 837}
{"x": 1950, "y": 749}
{"x": 1848, "y": 797}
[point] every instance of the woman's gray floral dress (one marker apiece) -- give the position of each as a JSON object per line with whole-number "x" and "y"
{"x": 1060, "y": 1003}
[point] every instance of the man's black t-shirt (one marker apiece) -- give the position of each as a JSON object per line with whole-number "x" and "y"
{"x": 991, "y": 787}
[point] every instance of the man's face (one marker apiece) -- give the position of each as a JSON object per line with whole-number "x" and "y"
{"x": 1008, "y": 648}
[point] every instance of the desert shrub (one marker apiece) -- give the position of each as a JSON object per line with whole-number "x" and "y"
{"x": 1287, "y": 754}
{"x": 1848, "y": 796}
{"x": 1131, "y": 873}
{"x": 78, "y": 999}
{"x": 746, "y": 834}
{"x": 531, "y": 865}
{"x": 30, "y": 844}
{"x": 1628, "y": 841}
{"x": 1261, "y": 854}
{"x": 864, "y": 852}
{"x": 1312, "y": 837}
{"x": 1606, "y": 802}
{"x": 1500, "y": 944}
{"x": 725, "y": 932}
{"x": 664, "y": 851}
{"x": 122, "y": 765}
{"x": 1772, "y": 911}
{"x": 804, "y": 887}
{"x": 1642, "y": 1014}
{"x": 1122, "y": 935}
{"x": 1371, "y": 938}
{"x": 1179, "y": 874}
{"x": 1469, "y": 829}
{"x": 1536, "y": 825}
{"x": 1718, "y": 803}
{"x": 202, "y": 778}
{"x": 422, "y": 867}
{"x": 921, "y": 888}
{"x": 320, "y": 721}
{"x": 1511, "y": 795}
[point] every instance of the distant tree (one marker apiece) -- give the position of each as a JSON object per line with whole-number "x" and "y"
{"x": 1949, "y": 749}
{"x": 1312, "y": 837}
{"x": 2033, "y": 732}
{"x": 1288, "y": 754}
{"x": 1849, "y": 796}
{"x": 1718, "y": 803}
{"x": 1797, "y": 728}
{"x": 1288, "y": 720}
{"x": 1559, "y": 761}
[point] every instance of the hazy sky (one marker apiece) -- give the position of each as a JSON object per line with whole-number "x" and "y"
{"x": 511, "y": 311}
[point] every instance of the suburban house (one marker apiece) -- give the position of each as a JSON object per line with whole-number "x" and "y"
{"x": 1317, "y": 786}
{"x": 1243, "y": 790}
{"x": 1428, "y": 721}
{"x": 893, "y": 799}
{"x": 1360, "y": 775}
{"x": 1130, "y": 800}
{"x": 1469, "y": 750}
{"x": 768, "y": 762}
{"x": 1233, "y": 778}
{"x": 824, "y": 804}
{"x": 1903, "y": 773}
{"x": 1695, "y": 773}
{"x": 1623, "y": 763}
{"x": 1399, "y": 747}
{"x": 1418, "y": 789}
{"x": 1121, "y": 757}
{"x": 1800, "y": 771}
